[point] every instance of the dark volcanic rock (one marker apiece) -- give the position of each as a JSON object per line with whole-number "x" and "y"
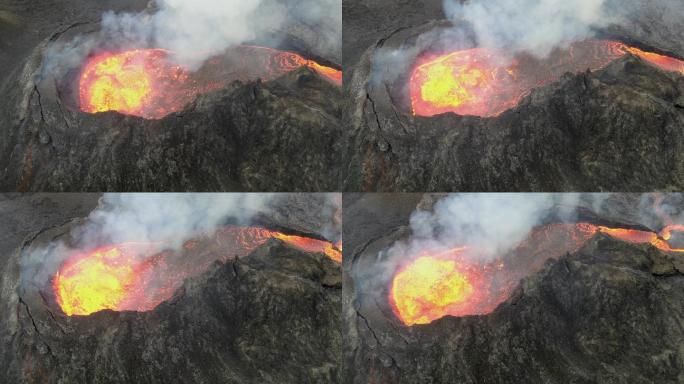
{"x": 277, "y": 136}
{"x": 610, "y": 313}
{"x": 272, "y": 317}
{"x": 267, "y": 137}
{"x": 620, "y": 128}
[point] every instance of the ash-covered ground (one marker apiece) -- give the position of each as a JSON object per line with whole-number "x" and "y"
{"x": 619, "y": 128}
{"x": 270, "y": 317}
{"x": 279, "y": 135}
{"x": 609, "y": 312}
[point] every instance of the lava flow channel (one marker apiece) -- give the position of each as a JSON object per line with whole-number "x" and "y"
{"x": 139, "y": 276}
{"x": 485, "y": 82}
{"x": 146, "y": 83}
{"x": 453, "y": 283}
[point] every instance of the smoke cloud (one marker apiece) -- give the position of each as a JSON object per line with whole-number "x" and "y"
{"x": 171, "y": 218}
{"x": 530, "y": 25}
{"x": 493, "y": 223}
{"x": 195, "y": 30}
{"x": 167, "y": 219}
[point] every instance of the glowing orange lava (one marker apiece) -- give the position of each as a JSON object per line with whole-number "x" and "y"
{"x": 455, "y": 283}
{"x": 145, "y": 82}
{"x": 139, "y": 276}
{"x": 484, "y": 82}
{"x": 106, "y": 278}
{"x": 430, "y": 288}
{"x": 311, "y": 245}
{"x": 448, "y": 283}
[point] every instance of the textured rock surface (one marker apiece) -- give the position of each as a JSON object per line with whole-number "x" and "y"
{"x": 609, "y": 313}
{"x": 616, "y": 129}
{"x": 271, "y": 317}
{"x": 281, "y": 135}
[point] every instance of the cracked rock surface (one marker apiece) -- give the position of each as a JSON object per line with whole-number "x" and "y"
{"x": 620, "y": 128}
{"x": 608, "y": 313}
{"x": 270, "y": 317}
{"x": 280, "y": 135}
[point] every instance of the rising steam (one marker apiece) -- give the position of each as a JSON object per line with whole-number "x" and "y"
{"x": 164, "y": 221}
{"x": 494, "y": 223}
{"x": 530, "y": 25}
{"x": 195, "y": 30}
{"x": 171, "y": 218}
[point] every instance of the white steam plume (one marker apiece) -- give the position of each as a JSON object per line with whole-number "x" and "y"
{"x": 195, "y": 30}
{"x": 492, "y": 223}
{"x": 165, "y": 219}
{"x": 169, "y": 217}
{"x": 535, "y": 26}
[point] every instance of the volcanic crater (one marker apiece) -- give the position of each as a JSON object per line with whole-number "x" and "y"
{"x": 430, "y": 112}
{"x": 584, "y": 301}
{"x": 68, "y": 114}
{"x": 242, "y": 304}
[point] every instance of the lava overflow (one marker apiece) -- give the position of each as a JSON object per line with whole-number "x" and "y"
{"x": 485, "y": 82}
{"x": 145, "y": 82}
{"x": 456, "y": 283}
{"x": 139, "y": 276}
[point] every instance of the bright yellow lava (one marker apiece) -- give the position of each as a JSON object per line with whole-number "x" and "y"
{"x": 116, "y": 83}
{"x": 445, "y": 89}
{"x": 426, "y": 289}
{"x": 95, "y": 282}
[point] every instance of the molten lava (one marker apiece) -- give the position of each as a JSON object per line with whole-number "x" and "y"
{"x": 312, "y": 245}
{"x": 106, "y": 278}
{"x": 455, "y": 283}
{"x": 485, "y": 82}
{"x": 430, "y": 288}
{"x": 145, "y": 82}
{"x": 449, "y": 283}
{"x": 139, "y": 276}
